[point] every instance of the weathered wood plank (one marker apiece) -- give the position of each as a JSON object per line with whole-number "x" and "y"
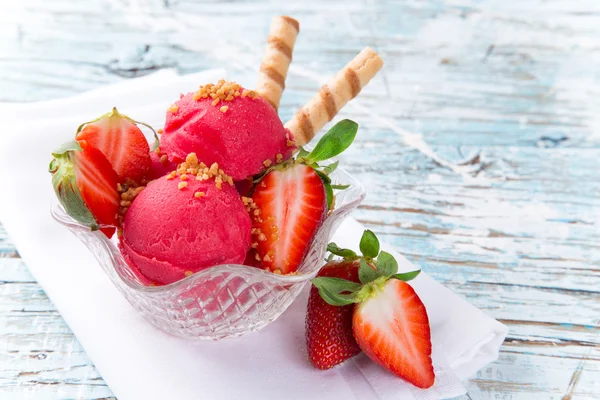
{"x": 515, "y": 231}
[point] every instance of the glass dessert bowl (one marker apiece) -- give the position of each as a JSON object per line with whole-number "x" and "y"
{"x": 225, "y": 300}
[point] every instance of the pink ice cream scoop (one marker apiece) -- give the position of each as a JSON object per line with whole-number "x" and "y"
{"x": 229, "y": 125}
{"x": 176, "y": 227}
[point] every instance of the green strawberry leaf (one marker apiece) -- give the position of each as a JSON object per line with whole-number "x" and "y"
{"x": 334, "y": 142}
{"x": 346, "y": 253}
{"x": 340, "y": 187}
{"x": 71, "y": 145}
{"x": 369, "y": 244}
{"x": 328, "y": 169}
{"x": 386, "y": 264}
{"x": 302, "y": 152}
{"x": 323, "y": 176}
{"x": 329, "y": 194}
{"x": 337, "y": 291}
{"x": 366, "y": 273}
{"x": 407, "y": 276}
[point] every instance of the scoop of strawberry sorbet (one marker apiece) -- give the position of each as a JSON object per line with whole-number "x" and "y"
{"x": 180, "y": 225}
{"x": 229, "y": 125}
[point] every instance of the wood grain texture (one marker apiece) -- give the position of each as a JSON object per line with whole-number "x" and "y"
{"x": 479, "y": 149}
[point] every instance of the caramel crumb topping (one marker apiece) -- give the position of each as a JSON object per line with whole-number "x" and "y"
{"x": 278, "y": 157}
{"x": 250, "y": 207}
{"x": 249, "y": 93}
{"x": 181, "y": 185}
{"x": 221, "y": 91}
{"x": 277, "y": 271}
{"x": 160, "y": 131}
{"x": 188, "y": 273}
{"x": 192, "y": 167}
{"x": 224, "y": 109}
{"x": 267, "y": 163}
{"x": 128, "y": 191}
{"x": 199, "y": 194}
{"x": 173, "y": 109}
{"x": 290, "y": 143}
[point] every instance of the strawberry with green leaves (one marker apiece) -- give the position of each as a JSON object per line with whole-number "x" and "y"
{"x": 329, "y": 338}
{"x": 389, "y": 321}
{"x": 121, "y": 141}
{"x": 86, "y": 185}
{"x": 292, "y": 200}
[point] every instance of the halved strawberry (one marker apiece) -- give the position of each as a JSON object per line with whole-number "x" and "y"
{"x": 389, "y": 322}
{"x": 292, "y": 201}
{"x": 121, "y": 141}
{"x": 292, "y": 204}
{"x": 392, "y": 328}
{"x": 86, "y": 185}
{"x": 329, "y": 337}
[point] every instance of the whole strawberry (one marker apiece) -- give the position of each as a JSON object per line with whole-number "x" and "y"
{"x": 389, "y": 321}
{"x": 329, "y": 337}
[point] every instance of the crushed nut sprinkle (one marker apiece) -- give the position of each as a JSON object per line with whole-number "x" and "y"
{"x": 250, "y": 205}
{"x": 199, "y": 194}
{"x": 267, "y": 163}
{"x": 160, "y": 131}
{"x": 249, "y": 93}
{"x": 221, "y": 91}
{"x": 192, "y": 167}
{"x": 128, "y": 191}
{"x": 173, "y": 109}
{"x": 164, "y": 159}
{"x": 224, "y": 109}
{"x": 290, "y": 143}
{"x": 278, "y": 157}
{"x": 188, "y": 273}
{"x": 181, "y": 185}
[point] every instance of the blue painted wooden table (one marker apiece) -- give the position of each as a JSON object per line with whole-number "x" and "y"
{"x": 479, "y": 149}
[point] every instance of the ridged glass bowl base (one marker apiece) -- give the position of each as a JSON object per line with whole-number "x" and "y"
{"x": 222, "y": 301}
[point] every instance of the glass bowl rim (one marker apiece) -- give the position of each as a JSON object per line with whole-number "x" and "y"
{"x": 58, "y": 213}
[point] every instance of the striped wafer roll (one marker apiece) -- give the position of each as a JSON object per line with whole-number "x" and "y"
{"x": 334, "y": 95}
{"x": 277, "y": 58}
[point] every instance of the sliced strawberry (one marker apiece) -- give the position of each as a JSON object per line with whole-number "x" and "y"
{"x": 329, "y": 337}
{"x": 86, "y": 185}
{"x": 292, "y": 204}
{"x": 122, "y": 142}
{"x": 392, "y": 328}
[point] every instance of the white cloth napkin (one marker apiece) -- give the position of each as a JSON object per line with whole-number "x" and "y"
{"x": 140, "y": 362}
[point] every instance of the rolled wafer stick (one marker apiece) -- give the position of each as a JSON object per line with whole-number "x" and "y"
{"x": 334, "y": 95}
{"x": 277, "y": 58}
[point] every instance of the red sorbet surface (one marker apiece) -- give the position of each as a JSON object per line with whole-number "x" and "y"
{"x": 168, "y": 232}
{"x": 160, "y": 166}
{"x": 240, "y": 139}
